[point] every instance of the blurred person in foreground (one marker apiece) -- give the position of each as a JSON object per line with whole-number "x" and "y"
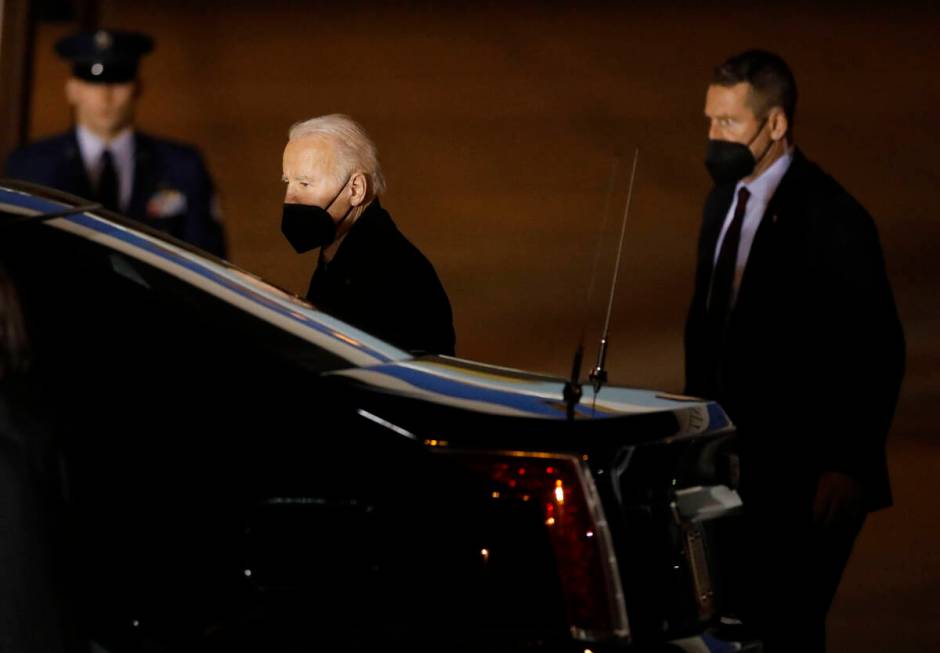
{"x": 32, "y": 610}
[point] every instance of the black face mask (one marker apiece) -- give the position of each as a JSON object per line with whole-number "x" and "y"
{"x": 307, "y": 227}
{"x": 727, "y": 162}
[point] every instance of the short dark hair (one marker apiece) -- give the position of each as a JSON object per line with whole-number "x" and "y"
{"x": 769, "y": 76}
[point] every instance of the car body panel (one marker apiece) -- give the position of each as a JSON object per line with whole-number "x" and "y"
{"x": 244, "y": 467}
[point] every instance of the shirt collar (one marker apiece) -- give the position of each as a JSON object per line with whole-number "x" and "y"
{"x": 91, "y": 146}
{"x": 764, "y": 187}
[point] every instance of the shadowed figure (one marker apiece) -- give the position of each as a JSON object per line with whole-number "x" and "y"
{"x": 31, "y": 614}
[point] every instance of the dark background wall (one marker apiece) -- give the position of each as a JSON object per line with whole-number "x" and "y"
{"x": 498, "y": 125}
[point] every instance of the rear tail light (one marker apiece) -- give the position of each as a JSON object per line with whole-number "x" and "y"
{"x": 564, "y": 491}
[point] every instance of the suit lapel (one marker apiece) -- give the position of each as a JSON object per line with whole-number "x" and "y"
{"x": 762, "y": 249}
{"x": 713, "y": 217}
{"x": 145, "y": 181}
{"x": 71, "y": 174}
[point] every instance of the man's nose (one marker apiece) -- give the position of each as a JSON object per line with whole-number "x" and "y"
{"x": 714, "y": 133}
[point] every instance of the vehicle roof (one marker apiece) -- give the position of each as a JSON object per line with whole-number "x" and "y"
{"x": 373, "y": 362}
{"x": 202, "y": 270}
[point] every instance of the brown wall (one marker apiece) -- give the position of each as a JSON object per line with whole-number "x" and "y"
{"x": 498, "y": 125}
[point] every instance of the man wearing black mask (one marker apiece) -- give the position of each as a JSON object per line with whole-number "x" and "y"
{"x": 368, "y": 273}
{"x": 794, "y": 330}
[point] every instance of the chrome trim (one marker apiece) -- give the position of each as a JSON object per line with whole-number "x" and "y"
{"x": 706, "y": 502}
{"x": 382, "y": 422}
{"x": 606, "y": 543}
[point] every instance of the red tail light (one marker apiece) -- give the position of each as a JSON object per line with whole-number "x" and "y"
{"x": 564, "y": 491}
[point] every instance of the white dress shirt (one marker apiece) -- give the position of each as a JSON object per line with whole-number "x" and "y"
{"x": 762, "y": 190}
{"x": 122, "y": 153}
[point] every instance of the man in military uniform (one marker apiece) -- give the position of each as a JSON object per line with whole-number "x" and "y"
{"x": 368, "y": 273}
{"x": 161, "y": 183}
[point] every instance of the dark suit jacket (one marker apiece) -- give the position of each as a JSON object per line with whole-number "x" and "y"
{"x": 381, "y": 283}
{"x": 813, "y": 353}
{"x": 172, "y": 190}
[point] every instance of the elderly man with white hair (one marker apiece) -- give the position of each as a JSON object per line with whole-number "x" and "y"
{"x": 368, "y": 273}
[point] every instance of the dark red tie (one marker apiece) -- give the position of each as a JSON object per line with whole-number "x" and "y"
{"x": 108, "y": 183}
{"x": 719, "y": 296}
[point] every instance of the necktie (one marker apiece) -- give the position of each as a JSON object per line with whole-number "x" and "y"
{"x": 108, "y": 182}
{"x": 719, "y": 297}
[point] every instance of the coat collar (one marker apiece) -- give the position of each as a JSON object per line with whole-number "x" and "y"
{"x": 792, "y": 187}
{"x": 72, "y": 172}
{"x": 368, "y": 234}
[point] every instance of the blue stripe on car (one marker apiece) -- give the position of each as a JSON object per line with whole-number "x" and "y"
{"x": 461, "y": 390}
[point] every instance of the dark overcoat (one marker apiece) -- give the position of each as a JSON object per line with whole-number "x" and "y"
{"x": 381, "y": 283}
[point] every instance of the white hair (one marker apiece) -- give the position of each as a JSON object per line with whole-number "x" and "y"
{"x": 353, "y": 147}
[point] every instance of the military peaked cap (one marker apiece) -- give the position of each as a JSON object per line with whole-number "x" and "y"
{"x": 105, "y": 56}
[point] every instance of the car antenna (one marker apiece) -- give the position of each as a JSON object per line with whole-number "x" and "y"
{"x": 572, "y": 391}
{"x": 598, "y": 375}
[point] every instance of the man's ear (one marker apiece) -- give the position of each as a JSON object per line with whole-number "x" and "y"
{"x": 72, "y": 90}
{"x": 359, "y": 188}
{"x": 778, "y": 123}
